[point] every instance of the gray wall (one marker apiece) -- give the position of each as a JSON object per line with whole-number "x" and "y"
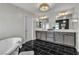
{"x": 11, "y": 21}
{"x": 77, "y": 41}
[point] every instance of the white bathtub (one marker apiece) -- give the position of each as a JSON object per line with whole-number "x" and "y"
{"x": 7, "y": 46}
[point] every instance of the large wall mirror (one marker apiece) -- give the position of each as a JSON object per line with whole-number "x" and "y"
{"x": 42, "y": 22}
{"x": 69, "y": 14}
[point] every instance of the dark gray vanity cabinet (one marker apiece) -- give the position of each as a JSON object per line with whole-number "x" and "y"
{"x": 38, "y": 35}
{"x": 58, "y": 37}
{"x": 42, "y": 35}
{"x": 64, "y": 38}
{"x": 50, "y": 37}
{"x": 69, "y": 39}
{"x": 45, "y": 35}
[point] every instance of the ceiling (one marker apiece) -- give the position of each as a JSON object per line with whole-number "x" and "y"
{"x": 34, "y": 7}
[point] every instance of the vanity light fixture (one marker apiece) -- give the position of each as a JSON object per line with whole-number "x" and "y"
{"x": 65, "y": 13}
{"x": 43, "y": 17}
{"x": 44, "y": 7}
{"x": 61, "y": 14}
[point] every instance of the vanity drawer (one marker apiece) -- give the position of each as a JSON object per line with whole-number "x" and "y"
{"x": 50, "y": 35}
{"x": 43, "y": 36}
{"x": 50, "y": 39}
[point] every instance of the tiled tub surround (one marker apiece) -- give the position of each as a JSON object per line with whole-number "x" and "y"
{"x": 65, "y": 38}
{"x": 41, "y": 47}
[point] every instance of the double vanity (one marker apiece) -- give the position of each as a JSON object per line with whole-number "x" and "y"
{"x": 61, "y": 29}
{"x": 62, "y": 36}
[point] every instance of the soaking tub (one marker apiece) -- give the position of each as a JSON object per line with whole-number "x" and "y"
{"x": 7, "y": 46}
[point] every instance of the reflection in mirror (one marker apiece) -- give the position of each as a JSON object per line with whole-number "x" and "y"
{"x": 42, "y": 22}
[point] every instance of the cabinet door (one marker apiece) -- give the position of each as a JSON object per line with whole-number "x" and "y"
{"x": 43, "y": 36}
{"x": 38, "y": 35}
{"x": 69, "y": 39}
{"x": 58, "y": 37}
{"x": 50, "y": 37}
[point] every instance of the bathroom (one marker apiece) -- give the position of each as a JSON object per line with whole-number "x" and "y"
{"x": 39, "y": 28}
